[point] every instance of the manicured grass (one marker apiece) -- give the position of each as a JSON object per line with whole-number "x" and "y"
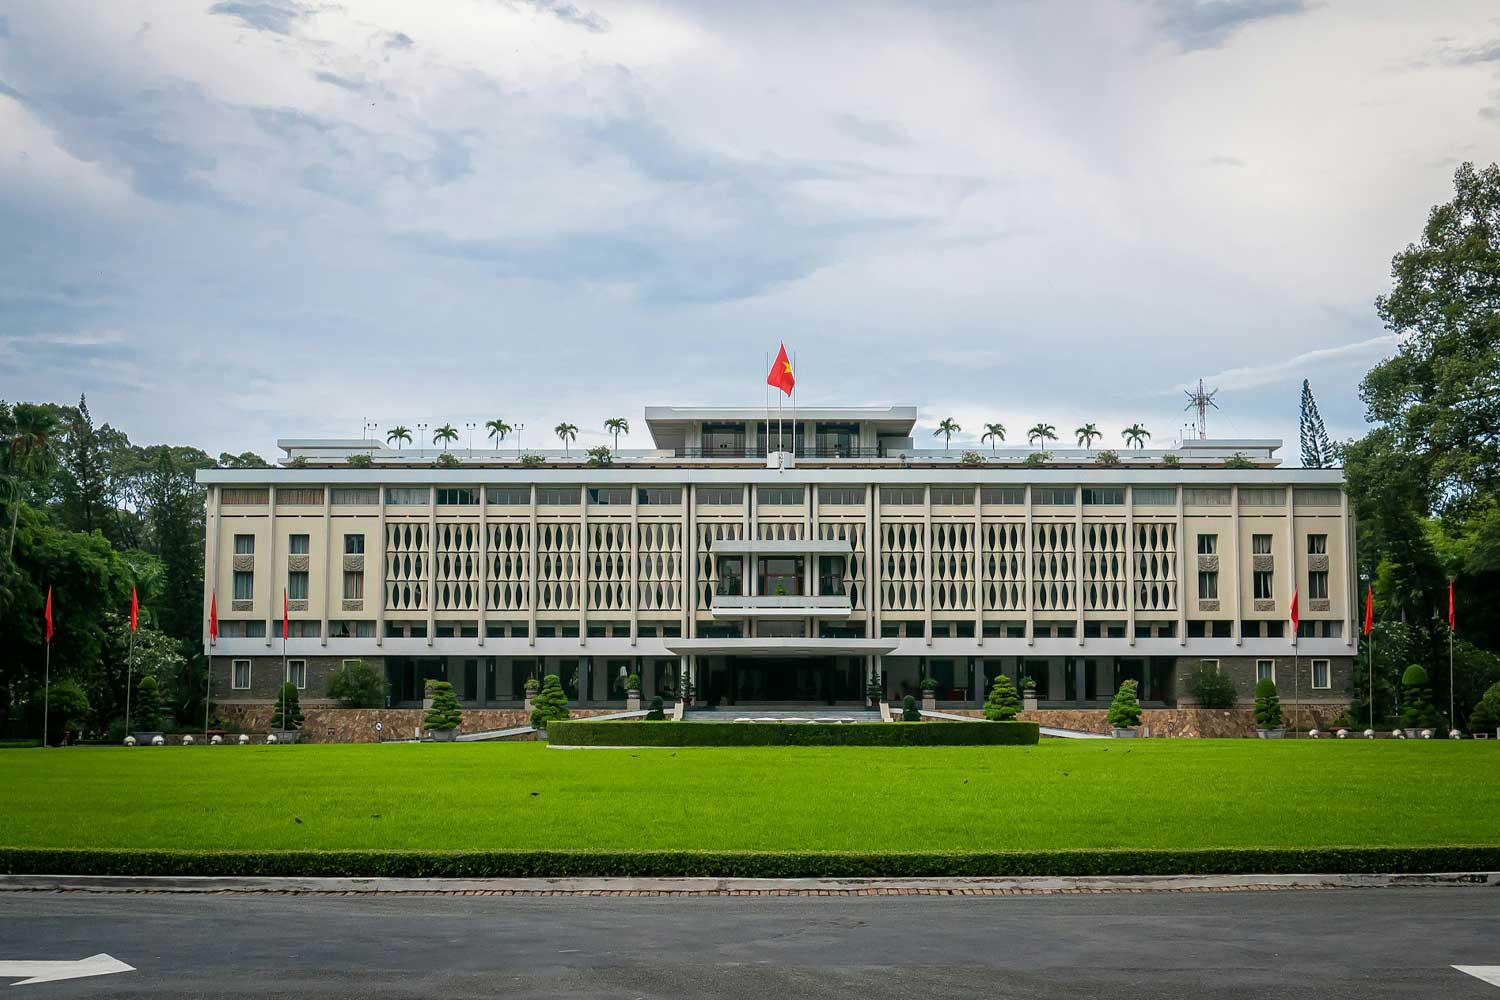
{"x": 1061, "y": 795}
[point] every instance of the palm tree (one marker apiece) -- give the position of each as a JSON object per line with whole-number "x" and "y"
{"x": 992, "y": 433}
{"x": 1136, "y": 434}
{"x": 1041, "y": 432}
{"x": 400, "y": 435}
{"x": 947, "y": 429}
{"x": 617, "y": 426}
{"x": 445, "y": 433}
{"x": 25, "y": 453}
{"x": 498, "y": 429}
{"x": 1087, "y": 435}
{"x": 567, "y": 432}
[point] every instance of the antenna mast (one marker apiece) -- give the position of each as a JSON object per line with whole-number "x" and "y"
{"x": 1201, "y": 400}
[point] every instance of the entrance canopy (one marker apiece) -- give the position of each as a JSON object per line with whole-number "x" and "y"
{"x": 780, "y": 647}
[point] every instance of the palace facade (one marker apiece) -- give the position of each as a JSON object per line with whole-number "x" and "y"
{"x": 760, "y": 565}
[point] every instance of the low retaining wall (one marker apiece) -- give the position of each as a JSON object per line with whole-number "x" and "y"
{"x": 1192, "y": 722}
{"x": 357, "y": 725}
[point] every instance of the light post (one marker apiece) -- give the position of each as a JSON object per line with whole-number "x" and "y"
{"x": 421, "y": 440}
{"x": 469, "y": 425}
{"x": 519, "y": 429}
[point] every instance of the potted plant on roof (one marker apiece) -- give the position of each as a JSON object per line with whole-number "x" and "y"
{"x": 1268, "y": 711}
{"x": 1125, "y": 713}
{"x": 929, "y": 693}
{"x": 633, "y": 692}
{"x": 443, "y": 718}
{"x": 1028, "y": 694}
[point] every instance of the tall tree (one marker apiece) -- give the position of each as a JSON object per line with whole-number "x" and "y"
{"x": 992, "y": 433}
{"x": 498, "y": 429}
{"x": 244, "y": 460}
{"x": 26, "y": 457}
{"x": 1042, "y": 432}
{"x": 566, "y": 432}
{"x": 617, "y": 426}
{"x": 173, "y": 507}
{"x": 1317, "y": 452}
{"x": 1136, "y": 435}
{"x": 445, "y": 434}
{"x": 1087, "y": 435}
{"x": 947, "y": 427}
{"x": 400, "y": 435}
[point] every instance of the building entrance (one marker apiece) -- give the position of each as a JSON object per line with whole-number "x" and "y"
{"x": 802, "y": 680}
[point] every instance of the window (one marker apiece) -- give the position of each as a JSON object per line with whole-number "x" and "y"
{"x": 720, "y": 496}
{"x": 350, "y": 496}
{"x": 1112, "y": 496}
{"x": 1317, "y": 585}
{"x": 297, "y": 545}
{"x": 659, "y": 496}
{"x": 407, "y": 496}
{"x": 244, "y": 545}
{"x": 1262, "y": 497}
{"x": 1265, "y": 670}
{"x": 301, "y": 629}
{"x": 1264, "y": 585}
{"x": 1317, "y": 545}
{"x": 1223, "y": 629}
{"x": 351, "y": 630}
{"x": 354, "y": 545}
{"x": 1317, "y": 497}
{"x": 830, "y": 576}
{"x": 296, "y": 672}
{"x": 1209, "y": 665}
{"x": 1009, "y": 496}
{"x": 296, "y": 585}
{"x": 557, "y": 496}
{"x": 1154, "y": 496}
{"x": 1208, "y": 545}
{"x": 1052, "y": 496}
{"x": 1195, "y": 630}
{"x": 1320, "y": 679}
{"x": 1208, "y": 586}
{"x": 354, "y": 585}
{"x": 241, "y": 675}
{"x": 953, "y": 496}
{"x": 901, "y": 496}
{"x": 1260, "y": 545}
{"x": 731, "y": 576}
{"x": 780, "y": 630}
{"x": 244, "y": 497}
{"x": 609, "y": 496}
{"x": 778, "y": 495}
{"x": 508, "y": 496}
{"x": 780, "y": 576}
{"x": 457, "y": 496}
{"x": 841, "y": 496}
{"x": 1206, "y": 496}
{"x": 303, "y": 497}
{"x": 244, "y": 585}
{"x": 1274, "y": 629}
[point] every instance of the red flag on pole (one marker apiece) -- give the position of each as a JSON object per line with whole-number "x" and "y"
{"x": 781, "y": 372}
{"x": 286, "y": 617}
{"x": 1369, "y": 609}
{"x": 213, "y": 617}
{"x": 47, "y": 614}
{"x": 1294, "y": 611}
{"x": 1451, "y": 620}
{"x": 135, "y": 610}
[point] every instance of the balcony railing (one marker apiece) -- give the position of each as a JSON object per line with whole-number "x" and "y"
{"x": 761, "y": 452}
{"x": 835, "y": 605}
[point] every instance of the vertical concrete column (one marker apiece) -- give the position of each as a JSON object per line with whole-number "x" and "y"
{"x": 1185, "y": 588}
{"x": 380, "y": 562}
{"x": 1130, "y": 564}
{"x": 872, "y": 561}
{"x": 213, "y": 525}
{"x": 431, "y": 564}
{"x": 1030, "y": 545}
{"x": 1352, "y": 595}
{"x": 927, "y": 562}
{"x": 1080, "y": 681}
{"x": 1294, "y": 570}
{"x": 1234, "y": 554}
{"x": 585, "y": 681}
{"x": 751, "y": 588}
{"x": 484, "y": 570}
{"x": 583, "y": 565}
{"x": 1076, "y": 556}
{"x": 689, "y": 561}
{"x": 331, "y": 578}
{"x": 635, "y": 562}
{"x": 810, "y": 571}
{"x": 531, "y": 568}
{"x": 977, "y": 588}
{"x": 273, "y": 606}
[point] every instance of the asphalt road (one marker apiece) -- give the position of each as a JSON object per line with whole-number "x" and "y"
{"x": 1328, "y": 944}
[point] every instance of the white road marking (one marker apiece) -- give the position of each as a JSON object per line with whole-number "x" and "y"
{"x": 1487, "y": 973}
{"x": 51, "y": 972}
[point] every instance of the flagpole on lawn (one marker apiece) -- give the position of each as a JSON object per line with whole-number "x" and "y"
{"x": 47, "y": 691}
{"x": 208, "y": 689}
{"x": 1452, "y": 719}
{"x": 286, "y": 672}
{"x": 1371, "y": 665}
{"x": 129, "y": 677}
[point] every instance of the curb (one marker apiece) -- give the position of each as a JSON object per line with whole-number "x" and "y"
{"x": 1031, "y": 885}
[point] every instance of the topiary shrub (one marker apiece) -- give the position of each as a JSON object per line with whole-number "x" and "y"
{"x": 1002, "y": 704}
{"x": 971, "y": 458}
{"x": 1267, "y": 705}
{"x": 929, "y": 685}
{"x": 1170, "y": 460}
{"x": 147, "y": 708}
{"x": 875, "y": 690}
{"x": 446, "y": 713}
{"x": 1486, "y": 715}
{"x": 1125, "y": 710}
{"x": 530, "y": 461}
{"x": 1416, "y": 698}
{"x": 1211, "y": 688}
{"x": 549, "y": 703}
{"x": 288, "y": 711}
{"x": 657, "y": 712}
{"x": 909, "y": 711}
{"x": 632, "y": 682}
{"x": 358, "y": 685}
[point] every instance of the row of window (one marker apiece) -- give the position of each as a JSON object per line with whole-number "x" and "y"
{"x": 1263, "y": 583}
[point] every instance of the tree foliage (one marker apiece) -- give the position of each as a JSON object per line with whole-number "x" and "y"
{"x": 1211, "y": 688}
{"x": 358, "y": 685}
{"x": 1267, "y": 704}
{"x": 1125, "y": 710}
{"x": 446, "y": 713}
{"x": 287, "y": 713}
{"x": 146, "y": 713}
{"x": 1317, "y": 452}
{"x": 550, "y": 702}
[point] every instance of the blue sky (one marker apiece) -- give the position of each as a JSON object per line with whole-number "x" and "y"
{"x": 234, "y": 221}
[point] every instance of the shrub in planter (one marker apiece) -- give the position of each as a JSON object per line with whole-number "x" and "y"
{"x": 446, "y": 713}
{"x": 360, "y": 461}
{"x": 1108, "y": 458}
{"x": 632, "y": 682}
{"x": 1267, "y": 705}
{"x": 1002, "y": 704}
{"x": 1486, "y": 715}
{"x": 287, "y": 714}
{"x": 358, "y": 685}
{"x": 657, "y": 712}
{"x": 874, "y": 690}
{"x": 1037, "y": 459}
{"x": 549, "y": 703}
{"x": 929, "y": 685}
{"x": 1416, "y": 696}
{"x": 1125, "y": 710}
{"x": 447, "y": 461}
{"x": 1238, "y": 461}
{"x": 1211, "y": 688}
{"x": 909, "y": 711}
{"x": 147, "y": 709}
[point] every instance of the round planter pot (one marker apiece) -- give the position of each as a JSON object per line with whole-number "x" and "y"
{"x": 1125, "y": 734}
{"x": 1028, "y": 704}
{"x": 1270, "y": 734}
{"x": 442, "y": 735}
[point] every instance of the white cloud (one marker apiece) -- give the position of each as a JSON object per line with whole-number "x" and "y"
{"x": 1364, "y": 352}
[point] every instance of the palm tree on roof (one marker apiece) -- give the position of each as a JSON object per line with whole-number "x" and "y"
{"x": 498, "y": 429}
{"x": 1136, "y": 435}
{"x": 567, "y": 432}
{"x": 445, "y": 433}
{"x": 617, "y": 426}
{"x": 398, "y": 434}
{"x": 992, "y": 433}
{"x": 1087, "y": 435}
{"x": 1041, "y": 432}
{"x": 947, "y": 428}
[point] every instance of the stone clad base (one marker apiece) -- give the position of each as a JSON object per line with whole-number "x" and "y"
{"x": 357, "y": 725}
{"x": 1192, "y": 722}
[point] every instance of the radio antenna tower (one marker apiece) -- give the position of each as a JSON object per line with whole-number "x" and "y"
{"x": 1201, "y": 400}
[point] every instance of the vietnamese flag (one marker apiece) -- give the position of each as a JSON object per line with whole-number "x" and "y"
{"x": 1370, "y": 610}
{"x": 1451, "y": 620}
{"x": 135, "y": 610}
{"x": 781, "y": 373}
{"x": 213, "y": 617}
{"x": 1294, "y": 612}
{"x": 47, "y": 614}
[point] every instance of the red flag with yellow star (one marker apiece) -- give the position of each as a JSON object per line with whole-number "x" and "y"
{"x": 781, "y": 373}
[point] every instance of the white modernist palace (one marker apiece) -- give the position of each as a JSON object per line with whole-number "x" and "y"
{"x": 745, "y": 564}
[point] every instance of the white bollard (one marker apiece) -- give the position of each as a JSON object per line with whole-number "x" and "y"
{"x": 244, "y": 739}
{"x": 1398, "y": 734}
{"x": 1343, "y": 734}
{"x": 157, "y": 741}
{"x": 215, "y": 741}
{"x": 1454, "y": 734}
{"x": 271, "y": 738}
{"x": 1427, "y": 734}
{"x": 187, "y": 741}
{"x": 1313, "y": 734}
{"x": 130, "y": 741}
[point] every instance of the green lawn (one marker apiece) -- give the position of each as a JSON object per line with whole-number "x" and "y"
{"x": 492, "y": 796}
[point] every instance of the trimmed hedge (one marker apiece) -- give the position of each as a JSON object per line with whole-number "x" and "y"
{"x": 583, "y": 733}
{"x": 747, "y": 864}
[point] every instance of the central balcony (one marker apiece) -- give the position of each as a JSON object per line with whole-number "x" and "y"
{"x": 781, "y": 606}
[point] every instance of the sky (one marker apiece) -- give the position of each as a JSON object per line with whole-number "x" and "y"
{"x": 229, "y": 221}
